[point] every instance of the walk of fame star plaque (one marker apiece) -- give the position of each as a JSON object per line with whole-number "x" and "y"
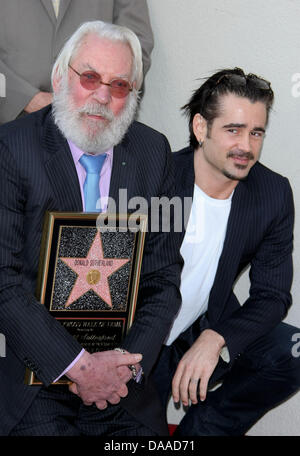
{"x": 89, "y": 275}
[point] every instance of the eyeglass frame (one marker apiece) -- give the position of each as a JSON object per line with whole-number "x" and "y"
{"x": 130, "y": 89}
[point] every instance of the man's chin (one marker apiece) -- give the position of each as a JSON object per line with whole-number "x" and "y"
{"x": 91, "y": 131}
{"x": 237, "y": 175}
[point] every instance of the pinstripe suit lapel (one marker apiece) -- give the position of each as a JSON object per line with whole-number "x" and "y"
{"x": 123, "y": 172}
{"x": 236, "y": 234}
{"x": 185, "y": 180}
{"x": 61, "y": 170}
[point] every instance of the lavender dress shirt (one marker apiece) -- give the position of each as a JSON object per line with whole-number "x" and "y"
{"x": 104, "y": 192}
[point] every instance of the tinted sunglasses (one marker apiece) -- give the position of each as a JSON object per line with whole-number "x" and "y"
{"x": 90, "y": 80}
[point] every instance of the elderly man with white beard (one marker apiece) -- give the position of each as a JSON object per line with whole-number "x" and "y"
{"x": 96, "y": 80}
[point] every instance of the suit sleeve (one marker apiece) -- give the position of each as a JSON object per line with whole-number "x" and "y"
{"x": 36, "y": 338}
{"x": 159, "y": 296}
{"x": 18, "y": 94}
{"x": 134, "y": 14}
{"x": 271, "y": 278}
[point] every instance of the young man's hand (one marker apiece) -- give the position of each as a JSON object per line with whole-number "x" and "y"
{"x": 197, "y": 365}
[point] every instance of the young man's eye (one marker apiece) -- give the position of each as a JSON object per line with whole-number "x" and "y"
{"x": 257, "y": 134}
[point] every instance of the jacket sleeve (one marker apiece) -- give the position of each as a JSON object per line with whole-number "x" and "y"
{"x": 18, "y": 93}
{"x": 159, "y": 296}
{"x": 271, "y": 273}
{"x": 134, "y": 14}
{"x": 36, "y": 338}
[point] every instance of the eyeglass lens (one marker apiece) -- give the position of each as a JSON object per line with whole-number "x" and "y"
{"x": 91, "y": 80}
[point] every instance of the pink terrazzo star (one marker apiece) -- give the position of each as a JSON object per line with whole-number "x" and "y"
{"x": 93, "y": 272}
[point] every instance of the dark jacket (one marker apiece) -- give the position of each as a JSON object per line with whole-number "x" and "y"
{"x": 260, "y": 234}
{"x": 37, "y": 174}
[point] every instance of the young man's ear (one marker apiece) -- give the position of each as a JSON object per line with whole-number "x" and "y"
{"x": 199, "y": 127}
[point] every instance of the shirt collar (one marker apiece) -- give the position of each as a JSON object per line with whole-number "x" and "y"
{"x": 77, "y": 153}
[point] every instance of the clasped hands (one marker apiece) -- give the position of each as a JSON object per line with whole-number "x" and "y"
{"x": 196, "y": 367}
{"x": 101, "y": 377}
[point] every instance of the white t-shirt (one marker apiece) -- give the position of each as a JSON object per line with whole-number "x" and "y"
{"x": 201, "y": 249}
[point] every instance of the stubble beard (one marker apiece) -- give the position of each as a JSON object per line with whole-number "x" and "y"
{"x": 240, "y": 167}
{"x": 91, "y": 135}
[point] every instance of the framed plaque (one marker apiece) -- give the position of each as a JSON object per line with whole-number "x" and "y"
{"x": 89, "y": 275}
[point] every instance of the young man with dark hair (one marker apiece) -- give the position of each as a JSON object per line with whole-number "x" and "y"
{"x": 242, "y": 214}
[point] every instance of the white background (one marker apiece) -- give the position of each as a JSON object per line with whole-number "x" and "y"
{"x": 195, "y": 38}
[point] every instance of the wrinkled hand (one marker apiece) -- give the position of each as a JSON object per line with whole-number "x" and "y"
{"x": 96, "y": 377}
{"x": 39, "y": 101}
{"x": 197, "y": 364}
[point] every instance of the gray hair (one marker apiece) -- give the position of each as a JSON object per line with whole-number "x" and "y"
{"x": 109, "y": 31}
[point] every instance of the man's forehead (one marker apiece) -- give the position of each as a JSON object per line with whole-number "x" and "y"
{"x": 93, "y": 42}
{"x": 237, "y": 109}
{"x": 94, "y": 51}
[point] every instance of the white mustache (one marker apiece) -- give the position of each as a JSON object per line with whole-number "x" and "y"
{"x": 97, "y": 110}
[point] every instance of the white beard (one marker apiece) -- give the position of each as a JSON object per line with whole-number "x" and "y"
{"x": 89, "y": 135}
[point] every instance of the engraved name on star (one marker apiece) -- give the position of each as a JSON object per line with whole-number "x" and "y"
{"x": 93, "y": 272}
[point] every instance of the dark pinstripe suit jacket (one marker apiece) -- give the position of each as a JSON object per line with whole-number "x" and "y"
{"x": 37, "y": 174}
{"x": 259, "y": 233}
